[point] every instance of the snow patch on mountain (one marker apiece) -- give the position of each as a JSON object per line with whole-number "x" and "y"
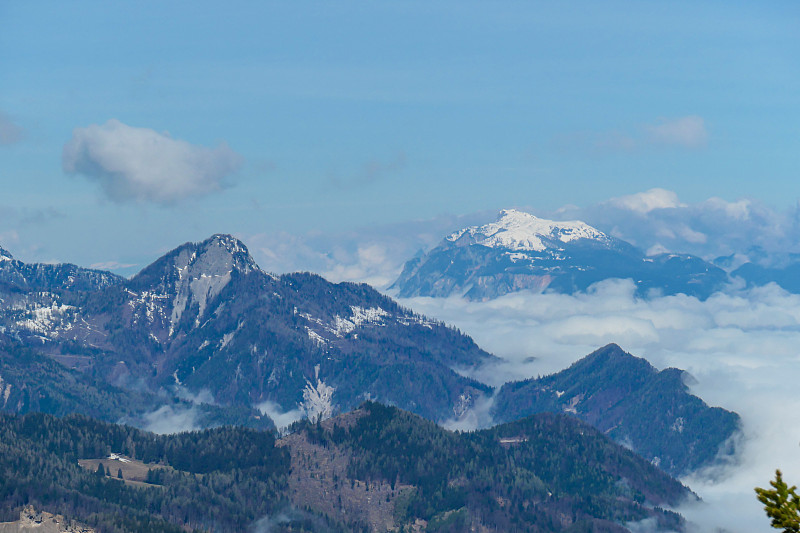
{"x": 418, "y": 320}
{"x": 5, "y": 391}
{"x": 316, "y": 337}
{"x": 573, "y": 404}
{"x": 317, "y": 401}
{"x": 43, "y": 319}
{"x": 360, "y": 316}
{"x": 341, "y": 326}
{"x": 226, "y": 338}
{"x": 150, "y": 302}
{"x": 520, "y": 231}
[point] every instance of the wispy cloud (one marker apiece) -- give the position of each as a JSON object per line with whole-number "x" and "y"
{"x": 688, "y": 132}
{"x": 10, "y": 132}
{"x": 282, "y": 419}
{"x": 369, "y": 173}
{"x": 111, "y": 265}
{"x": 142, "y": 165}
{"x": 373, "y": 255}
{"x": 644, "y": 202}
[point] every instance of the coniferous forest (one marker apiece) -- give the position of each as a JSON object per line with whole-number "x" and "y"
{"x": 544, "y": 473}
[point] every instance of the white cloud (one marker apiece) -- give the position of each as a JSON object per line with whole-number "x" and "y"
{"x": 373, "y": 264}
{"x": 739, "y": 210}
{"x": 658, "y": 220}
{"x": 142, "y": 165}
{"x": 373, "y": 255}
{"x": 369, "y": 173}
{"x": 168, "y": 419}
{"x": 282, "y": 419}
{"x": 111, "y": 265}
{"x": 10, "y": 133}
{"x": 10, "y": 236}
{"x": 687, "y": 132}
{"x": 644, "y": 202}
{"x": 741, "y": 348}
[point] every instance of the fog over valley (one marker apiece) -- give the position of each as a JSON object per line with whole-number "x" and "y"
{"x": 741, "y": 349}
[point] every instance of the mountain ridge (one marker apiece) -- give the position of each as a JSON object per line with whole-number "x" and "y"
{"x": 624, "y": 396}
{"x": 205, "y": 317}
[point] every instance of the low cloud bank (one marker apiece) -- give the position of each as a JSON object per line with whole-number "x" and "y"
{"x": 743, "y": 349}
{"x": 172, "y": 419}
{"x": 281, "y": 418}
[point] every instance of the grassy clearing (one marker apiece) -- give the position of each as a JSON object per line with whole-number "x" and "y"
{"x": 133, "y": 472}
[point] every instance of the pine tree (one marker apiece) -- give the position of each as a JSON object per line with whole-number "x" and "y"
{"x": 782, "y": 504}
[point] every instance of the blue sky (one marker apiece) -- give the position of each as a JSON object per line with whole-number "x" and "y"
{"x": 309, "y": 118}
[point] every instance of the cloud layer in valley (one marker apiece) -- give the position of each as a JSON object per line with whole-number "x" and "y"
{"x": 742, "y": 349}
{"x": 142, "y": 165}
{"x": 168, "y": 419}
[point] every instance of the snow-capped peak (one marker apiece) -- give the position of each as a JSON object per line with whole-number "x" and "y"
{"x": 517, "y": 230}
{"x": 5, "y": 255}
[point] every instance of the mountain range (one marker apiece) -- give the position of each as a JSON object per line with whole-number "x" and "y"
{"x": 204, "y": 333}
{"x": 522, "y": 252}
{"x": 205, "y": 319}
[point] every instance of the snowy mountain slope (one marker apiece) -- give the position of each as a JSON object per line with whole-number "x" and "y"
{"x": 519, "y": 231}
{"x": 520, "y": 251}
